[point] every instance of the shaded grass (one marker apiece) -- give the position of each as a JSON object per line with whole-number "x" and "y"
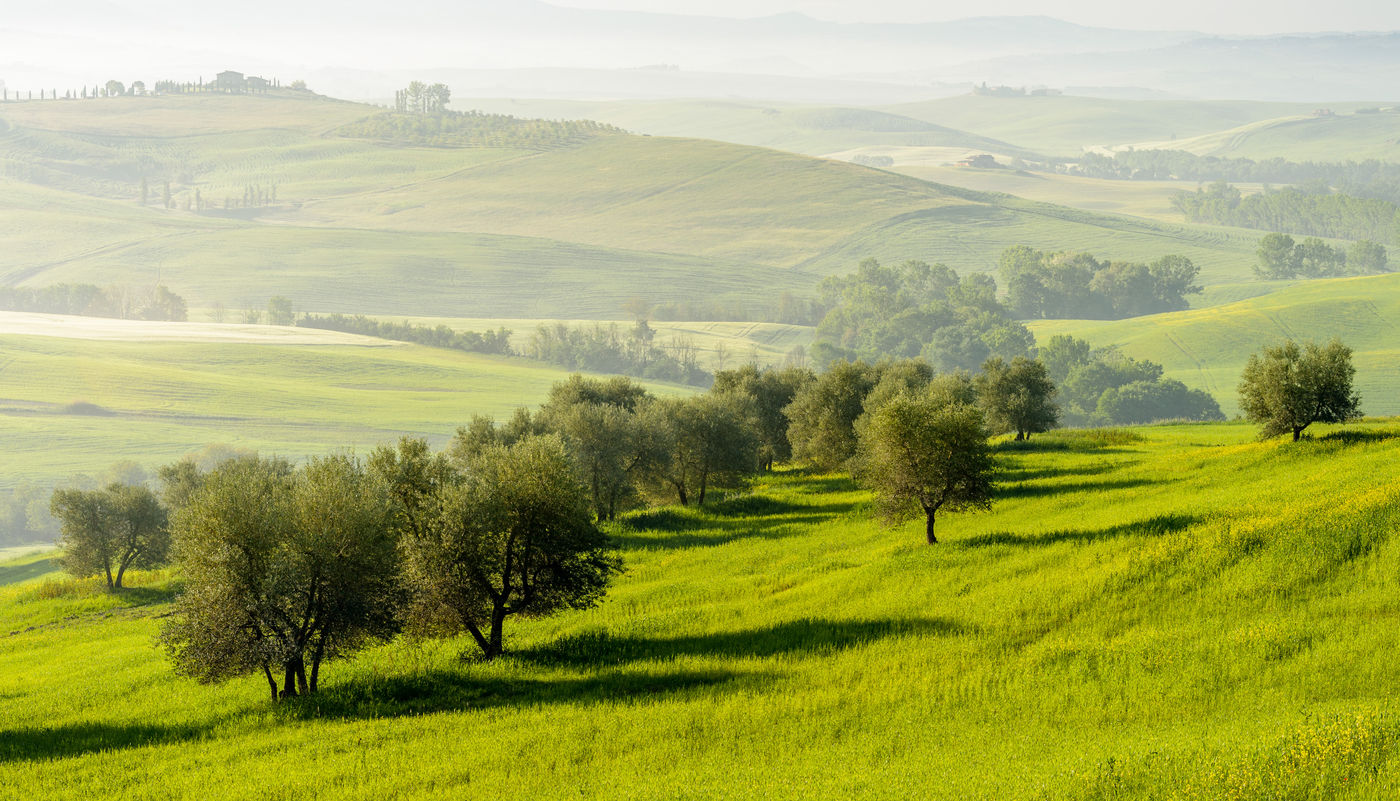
{"x": 1151, "y": 527}
{"x": 813, "y": 637}
{"x": 14, "y": 573}
{"x": 65, "y": 741}
{"x": 455, "y": 691}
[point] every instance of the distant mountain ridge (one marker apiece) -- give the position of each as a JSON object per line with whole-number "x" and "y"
{"x": 509, "y": 44}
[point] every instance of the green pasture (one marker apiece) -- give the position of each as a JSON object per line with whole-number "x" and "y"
{"x": 373, "y": 227}
{"x": 812, "y": 130}
{"x": 1207, "y": 347}
{"x": 1170, "y": 612}
{"x": 73, "y": 405}
{"x": 1066, "y": 125}
{"x": 1303, "y": 137}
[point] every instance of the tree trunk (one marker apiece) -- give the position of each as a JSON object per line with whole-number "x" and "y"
{"x": 704, "y": 482}
{"x": 928, "y": 526}
{"x": 121, "y": 571}
{"x": 1020, "y": 436}
{"x": 271, "y": 682}
{"x": 108, "y": 567}
{"x": 498, "y": 621}
{"x": 289, "y": 678}
{"x": 1297, "y": 434}
{"x": 316, "y": 657}
{"x": 481, "y": 641}
{"x": 680, "y": 491}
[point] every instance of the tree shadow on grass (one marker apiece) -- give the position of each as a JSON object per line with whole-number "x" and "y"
{"x": 149, "y": 596}
{"x": 1044, "y": 490}
{"x": 448, "y": 691}
{"x": 58, "y": 742}
{"x": 1354, "y": 437}
{"x": 14, "y": 574}
{"x": 715, "y": 533}
{"x": 729, "y": 519}
{"x": 798, "y": 636}
{"x": 1150, "y": 527}
{"x": 1013, "y": 474}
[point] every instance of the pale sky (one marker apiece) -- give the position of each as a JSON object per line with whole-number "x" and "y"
{"x": 1240, "y": 17}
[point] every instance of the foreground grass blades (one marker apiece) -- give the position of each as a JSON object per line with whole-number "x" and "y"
{"x": 1167, "y": 612}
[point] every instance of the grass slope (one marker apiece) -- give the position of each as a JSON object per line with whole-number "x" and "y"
{"x": 1207, "y": 348}
{"x": 813, "y": 130}
{"x": 1341, "y": 137}
{"x": 735, "y": 342}
{"x": 371, "y": 227}
{"x": 77, "y": 405}
{"x": 1066, "y": 125}
{"x": 1171, "y": 613}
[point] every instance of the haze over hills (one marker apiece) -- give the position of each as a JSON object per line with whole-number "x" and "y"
{"x": 389, "y": 227}
{"x": 534, "y": 49}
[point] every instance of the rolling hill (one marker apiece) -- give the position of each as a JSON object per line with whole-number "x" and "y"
{"x": 1355, "y": 136}
{"x": 1165, "y": 612}
{"x": 77, "y": 394}
{"x": 811, "y": 130}
{"x": 508, "y": 230}
{"x": 1065, "y": 125}
{"x": 1207, "y": 348}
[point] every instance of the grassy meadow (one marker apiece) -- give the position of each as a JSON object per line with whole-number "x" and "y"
{"x": 1302, "y": 137}
{"x": 1165, "y": 612}
{"x": 1066, "y": 125}
{"x": 1207, "y": 347}
{"x": 376, "y": 227}
{"x": 811, "y": 130}
{"x": 73, "y": 404}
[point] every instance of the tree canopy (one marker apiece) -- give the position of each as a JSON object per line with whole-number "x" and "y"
{"x": 1286, "y": 388}
{"x": 283, "y": 569}
{"x": 1017, "y": 397}
{"x": 108, "y": 531}
{"x": 515, "y": 537}
{"x": 916, "y": 310}
{"x": 1104, "y": 387}
{"x": 1078, "y": 286}
{"x": 922, "y": 454}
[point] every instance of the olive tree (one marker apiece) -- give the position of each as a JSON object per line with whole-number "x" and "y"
{"x": 108, "y": 531}
{"x": 1288, "y": 387}
{"x": 1017, "y": 397}
{"x": 770, "y": 392}
{"x": 925, "y": 454}
{"x": 611, "y": 448}
{"x": 710, "y": 441}
{"x": 283, "y": 569}
{"x": 823, "y": 414}
{"x": 610, "y": 435}
{"x": 515, "y": 537}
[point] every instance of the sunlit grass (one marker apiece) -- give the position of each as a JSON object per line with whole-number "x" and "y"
{"x": 1166, "y": 612}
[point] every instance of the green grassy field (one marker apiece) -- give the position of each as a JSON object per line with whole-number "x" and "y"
{"x": 735, "y": 343}
{"x": 813, "y": 130}
{"x": 1151, "y": 199}
{"x": 70, "y": 405}
{"x": 374, "y": 227}
{"x": 1179, "y": 612}
{"x": 1301, "y": 137}
{"x": 1066, "y": 125}
{"x": 1207, "y": 348}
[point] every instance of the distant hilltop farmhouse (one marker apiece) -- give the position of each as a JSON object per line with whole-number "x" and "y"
{"x": 236, "y": 82}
